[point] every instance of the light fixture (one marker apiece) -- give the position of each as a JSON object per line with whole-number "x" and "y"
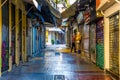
{"x": 35, "y": 3}
{"x": 117, "y": 16}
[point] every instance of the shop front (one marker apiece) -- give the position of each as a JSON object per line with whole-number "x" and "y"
{"x": 114, "y": 43}
{"x": 100, "y": 44}
{"x": 80, "y": 21}
{"x": 13, "y": 33}
{"x": 5, "y": 37}
{"x": 86, "y": 40}
{"x": 93, "y": 42}
{"x": 111, "y": 36}
{"x": 86, "y": 33}
{"x": 92, "y": 31}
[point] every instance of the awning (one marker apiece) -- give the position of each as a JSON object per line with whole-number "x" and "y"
{"x": 35, "y": 3}
{"x": 54, "y": 29}
{"x": 54, "y": 11}
{"x": 42, "y": 11}
{"x": 70, "y": 11}
{"x": 40, "y": 17}
{"x": 49, "y": 13}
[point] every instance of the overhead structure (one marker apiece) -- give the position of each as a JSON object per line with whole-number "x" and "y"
{"x": 42, "y": 10}
{"x": 69, "y": 11}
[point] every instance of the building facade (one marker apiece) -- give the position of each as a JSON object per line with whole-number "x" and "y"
{"x": 111, "y": 12}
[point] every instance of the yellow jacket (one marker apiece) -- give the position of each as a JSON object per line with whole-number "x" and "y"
{"x": 78, "y": 36}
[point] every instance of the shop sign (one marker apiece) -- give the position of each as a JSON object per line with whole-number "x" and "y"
{"x": 87, "y": 17}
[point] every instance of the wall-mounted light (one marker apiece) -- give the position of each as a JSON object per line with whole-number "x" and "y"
{"x": 117, "y": 16}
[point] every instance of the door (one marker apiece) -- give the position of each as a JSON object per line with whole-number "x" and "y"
{"x": 100, "y": 44}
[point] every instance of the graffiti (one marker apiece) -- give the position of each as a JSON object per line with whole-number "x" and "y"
{"x": 100, "y": 44}
{"x": 5, "y": 54}
{"x": 5, "y": 47}
{"x": 13, "y": 52}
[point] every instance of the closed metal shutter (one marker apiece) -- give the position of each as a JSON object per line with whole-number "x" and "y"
{"x": 114, "y": 43}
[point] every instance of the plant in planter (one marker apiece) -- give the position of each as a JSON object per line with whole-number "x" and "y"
{"x": 52, "y": 41}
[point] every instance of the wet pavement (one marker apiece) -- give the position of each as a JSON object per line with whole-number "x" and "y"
{"x": 53, "y": 65}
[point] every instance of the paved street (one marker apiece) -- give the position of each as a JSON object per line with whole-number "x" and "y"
{"x": 54, "y": 65}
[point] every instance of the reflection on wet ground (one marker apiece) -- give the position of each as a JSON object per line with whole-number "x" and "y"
{"x": 52, "y": 65}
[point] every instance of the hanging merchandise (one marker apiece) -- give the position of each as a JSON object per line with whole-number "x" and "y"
{"x": 93, "y": 42}
{"x": 114, "y": 43}
{"x": 5, "y": 38}
{"x": 100, "y": 44}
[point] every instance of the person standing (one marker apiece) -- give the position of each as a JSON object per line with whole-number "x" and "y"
{"x": 73, "y": 43}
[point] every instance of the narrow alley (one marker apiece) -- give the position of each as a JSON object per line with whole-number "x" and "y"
{"x": 49, "y": 64}
{"x": 59, "y": 39}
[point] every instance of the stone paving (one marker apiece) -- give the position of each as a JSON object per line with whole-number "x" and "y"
{"x": 53, "y": 65}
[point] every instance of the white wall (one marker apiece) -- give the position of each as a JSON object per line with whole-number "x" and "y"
{"x": 51, "y": 35}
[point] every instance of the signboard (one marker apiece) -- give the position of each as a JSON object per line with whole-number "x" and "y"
{"x": 87, "y": 17}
